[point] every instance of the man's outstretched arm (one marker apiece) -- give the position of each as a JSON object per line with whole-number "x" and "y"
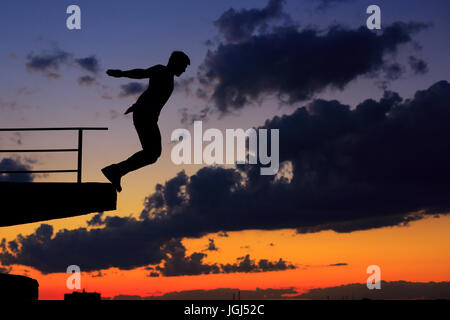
{"x": 133, "y": 74}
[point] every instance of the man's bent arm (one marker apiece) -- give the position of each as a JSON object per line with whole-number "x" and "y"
{"x": 136, "y": 74}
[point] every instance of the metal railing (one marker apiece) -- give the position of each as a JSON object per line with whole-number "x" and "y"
{"x": 79, "y": 150}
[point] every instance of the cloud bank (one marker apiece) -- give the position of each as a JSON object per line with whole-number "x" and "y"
{"x": 256, "y": 58}
{"x": 295, "y": 65}
{"x": 50, "y": 62}
{"x": 381, "y": 163}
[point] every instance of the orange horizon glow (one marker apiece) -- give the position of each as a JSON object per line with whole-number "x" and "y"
{"x": 416, "y": 253}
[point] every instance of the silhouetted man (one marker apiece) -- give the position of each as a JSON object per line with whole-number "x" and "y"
{"x": 146, "y": 112}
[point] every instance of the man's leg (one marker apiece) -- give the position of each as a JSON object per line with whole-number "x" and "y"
{"x": 136, "y": 161}
{"x": 150, "y": 138}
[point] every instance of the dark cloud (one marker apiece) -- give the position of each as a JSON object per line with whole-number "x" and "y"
{"x": 265, "y": 265}
{"x": 47, "y": 62}
{"x": 96, "y": 220}
{"x": 381, "y": 163}
{"x": 178, "y": 264}
{"x": 240, "y": 25}
{"x": 86, "y": 80}
{"x": 295, "y": 65}
{"x": 383, "y": 151}
{"x": 157, "y": 199}
{"x": 131, "y": 89}
{"x": 124, "y": 243}
{"x": 211, "y": 246}
{"x": 245, "y": 264}
{"x": 170, "y": 194}
{"x": 49, "y": 252}
{"x": 217, "y": 294}
{"x": 90, "y": 64}
{"x": 9, "y": 164}
{"x": 418, "y": 65}
{"x": 50, "y": 62}
{"x": 393, "y": 290}
{"x": 339, "y": 264}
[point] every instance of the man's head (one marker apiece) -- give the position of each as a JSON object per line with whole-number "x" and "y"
{"x": 178, "y": 62}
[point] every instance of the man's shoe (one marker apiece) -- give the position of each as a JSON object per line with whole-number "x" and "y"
{"x": 112, "y": 174}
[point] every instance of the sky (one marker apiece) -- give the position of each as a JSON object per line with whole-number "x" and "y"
{"x": 362, "y": 117}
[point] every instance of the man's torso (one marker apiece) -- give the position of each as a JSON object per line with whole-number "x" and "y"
{"x": 158, "y": 92}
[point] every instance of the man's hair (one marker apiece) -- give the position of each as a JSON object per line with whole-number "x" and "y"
{"x": 179, "y": 57}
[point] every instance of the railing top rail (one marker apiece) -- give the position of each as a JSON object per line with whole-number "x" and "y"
{"x": 79, "y": 149}
{"x": 51, "y": 129}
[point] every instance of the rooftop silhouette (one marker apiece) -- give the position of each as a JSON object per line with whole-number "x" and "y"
{"x": 18, "y": 288}
{"x": 25, "y": 202}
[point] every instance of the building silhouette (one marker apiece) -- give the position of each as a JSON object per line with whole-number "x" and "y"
{"x": 82, "y": 296}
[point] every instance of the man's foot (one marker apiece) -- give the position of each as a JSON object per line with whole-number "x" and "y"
{"x": 112, "y": 174}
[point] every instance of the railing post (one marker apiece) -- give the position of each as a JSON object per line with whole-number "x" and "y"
{"x": 80, "y": 154}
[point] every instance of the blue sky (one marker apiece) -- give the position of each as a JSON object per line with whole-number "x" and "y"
{"x": 127, "y": 34}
